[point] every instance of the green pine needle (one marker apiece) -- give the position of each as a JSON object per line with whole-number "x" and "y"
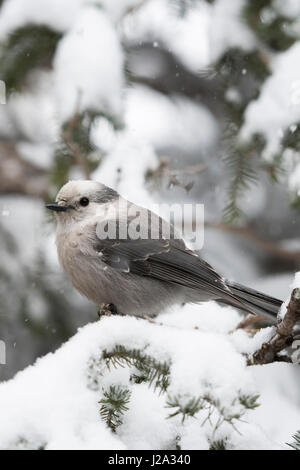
{"x": 28, "y": 47}
{"x": 296, "y": 444}
{"x": 186, "y": 408}
{"x": 146, "y": 368}
{"x": 221, "y": 444}
{"x": 114, "y": 405}
{"x": 277, "y": 33}
{"x": 242, "y": 177}
{"x": 249, "y": 401}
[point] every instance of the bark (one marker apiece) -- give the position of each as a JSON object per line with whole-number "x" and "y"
{"x": 283, "y": 337}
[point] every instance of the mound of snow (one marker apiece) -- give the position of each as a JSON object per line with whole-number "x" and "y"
{"x": 55, "y": 403}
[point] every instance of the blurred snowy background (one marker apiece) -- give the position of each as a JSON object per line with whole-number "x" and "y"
{"x": 166, "y": 101}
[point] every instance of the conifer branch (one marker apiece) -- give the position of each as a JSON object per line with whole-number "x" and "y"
{"x": 114, "y": 405}
{"x": 296, "y": 444}
{"x": 186, "y": 408}
{"x": 219, "y": 444}
{"x": 249, "y": 402}
{"x": 242, "y": 176}
{"x": 147, "y": 369}
{"x": 26, "y": 48}
{"x": 189, "y": 407}
{"x": 67, "y": 136}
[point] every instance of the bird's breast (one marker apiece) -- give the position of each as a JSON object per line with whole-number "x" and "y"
{"x": 80, "y": 264}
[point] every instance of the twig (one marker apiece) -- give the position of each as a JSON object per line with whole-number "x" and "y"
{"x": 73, "y": 146}
{"x": 134, "y": 8}
{"x": 283, "y": 337}
{"x": 268, "y": 246}
{"x": 164, "y": 170}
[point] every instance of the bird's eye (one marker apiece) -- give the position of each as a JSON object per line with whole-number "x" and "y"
{"x": 84, "y": 201}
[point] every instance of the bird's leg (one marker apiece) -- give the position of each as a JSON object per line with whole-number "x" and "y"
{"x": 149, "y": 319}
{"x": 106, "y": 310}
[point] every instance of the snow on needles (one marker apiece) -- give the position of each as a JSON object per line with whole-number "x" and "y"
{"x": 56, "y": 14}
{"x": 227, "y": 16}
{"x": 55, "y": 403}
{"x": 294, "y": 180}
{"x": 125, "y": 168}
{"x": 88, "y": 66}
{"x": 159, "y": 21}
{"x": 277, "y": 107}
{"x": 295, "y": 285}
{"x": 167, "y": 117}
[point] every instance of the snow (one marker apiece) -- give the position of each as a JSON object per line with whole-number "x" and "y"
{"x": 56, "y": 14}
{"x": 279, "y": 394}
{"x": 189, "y": 40}
{"x": 103, "y": 135}
{"x": 294, "y": 285}
{"x": 290, "y": 8}
{"x": 199, "y": 37}
{"x": 155, "y": 118}
{"x": 294, "y": 181}
{"x": 53, "y": 403}
{"x": 88, "y": 66}
{"x": 248, "y": 345}
{"x": 277, "y": 107}
{"x": 277, "y": 111}
{"x": 158, "y": 22}
{"x": 125, "y": 167}
{"x": 205, "y": 358}
{"x": 227, "y": 16}
{"x": 14, "y": 211}
{"x": 20, "y": 110}
{"x": 117, "y": 9}
{"x": 201, "y": 361}
{"x": 40, "y": 155}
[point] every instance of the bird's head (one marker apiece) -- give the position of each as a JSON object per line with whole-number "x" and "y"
{"x": 80, "y": 200}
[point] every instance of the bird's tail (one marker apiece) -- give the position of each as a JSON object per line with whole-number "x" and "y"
{"x": 257, "y": 302}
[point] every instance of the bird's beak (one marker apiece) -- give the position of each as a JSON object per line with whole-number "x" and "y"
{"x": 54, "y": 206}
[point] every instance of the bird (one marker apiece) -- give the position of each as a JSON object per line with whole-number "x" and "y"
{"x": 137, "y": 275}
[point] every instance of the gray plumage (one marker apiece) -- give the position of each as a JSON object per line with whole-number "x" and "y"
{"x": 139, "y": 277}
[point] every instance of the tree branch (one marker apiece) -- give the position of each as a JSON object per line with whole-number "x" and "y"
{"x": 269, "y": 246}
{"x": 283, "y": 337}
{"x": 73, "y": 146}
{"x": 163, "y": 169}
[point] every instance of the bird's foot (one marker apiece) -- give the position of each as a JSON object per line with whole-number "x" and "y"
{"x": 149, "y": 319}
{"x": 107, "y": 310}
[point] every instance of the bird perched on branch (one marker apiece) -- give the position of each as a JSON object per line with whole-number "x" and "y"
{"x": 118, "y": 263}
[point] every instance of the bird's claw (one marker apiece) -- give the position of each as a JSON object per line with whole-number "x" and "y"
{"x": 106, "y": 310}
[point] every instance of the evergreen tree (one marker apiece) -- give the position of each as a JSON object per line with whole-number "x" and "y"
{"x": 79, "y": 143}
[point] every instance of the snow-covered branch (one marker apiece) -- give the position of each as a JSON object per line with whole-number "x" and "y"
{"x": 284, "y": 336}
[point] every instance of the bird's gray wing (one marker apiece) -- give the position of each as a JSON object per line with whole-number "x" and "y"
{"x": 167, "y": 260}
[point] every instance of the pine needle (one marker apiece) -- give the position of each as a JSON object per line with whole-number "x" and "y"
{"x": 114, "y": 405}
{"x": 296, "y": 444}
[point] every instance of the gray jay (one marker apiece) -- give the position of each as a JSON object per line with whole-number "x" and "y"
{"x": 136, "y": 276}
